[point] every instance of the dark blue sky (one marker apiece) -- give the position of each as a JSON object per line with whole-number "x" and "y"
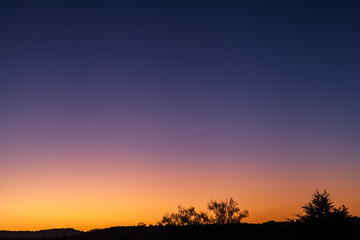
{"x": 234, "y": 69}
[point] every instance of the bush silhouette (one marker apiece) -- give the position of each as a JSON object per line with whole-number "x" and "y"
{"x": 226, "y": 212}
{"x": 184, "y": 217}
{"x": 222, "y": 213}
{"x": 322, "y": 209}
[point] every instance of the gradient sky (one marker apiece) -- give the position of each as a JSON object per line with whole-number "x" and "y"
{"x": 115, "y": 112}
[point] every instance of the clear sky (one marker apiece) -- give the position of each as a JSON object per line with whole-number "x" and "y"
{"x": 115, "y": 112}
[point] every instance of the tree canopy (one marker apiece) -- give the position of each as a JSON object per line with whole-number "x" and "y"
{"x": 321, "y": 208}
{"x": 184, "y": 217}
{"x": 222, "y": 212}
{"x": 227, "y": 211}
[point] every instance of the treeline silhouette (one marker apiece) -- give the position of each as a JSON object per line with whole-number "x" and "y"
{"x": 222, "y": 212}
{"x": 320, "y": 220}
{"x": 320, "y": 209}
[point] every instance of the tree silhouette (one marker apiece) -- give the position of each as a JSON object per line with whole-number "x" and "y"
{"x": 185, "y": 217}
{"x": 226, "y": 212}
{"x": 322, "y": 209}
{"x": 141, "y": 224}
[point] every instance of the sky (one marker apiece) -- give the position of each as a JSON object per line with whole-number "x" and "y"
{"x": 115, "y": 112}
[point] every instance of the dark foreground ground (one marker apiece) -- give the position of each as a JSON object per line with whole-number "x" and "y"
{"x": 269, "y": 230}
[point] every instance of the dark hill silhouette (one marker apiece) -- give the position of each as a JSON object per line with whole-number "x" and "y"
{"x": 50, "y": 233}
{"x": 269, "y": 230}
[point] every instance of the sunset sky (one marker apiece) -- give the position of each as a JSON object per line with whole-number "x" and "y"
{"x": 114, "y": 112}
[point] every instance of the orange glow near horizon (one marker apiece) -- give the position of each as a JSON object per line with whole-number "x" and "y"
{"x": 93, "y": 195}
{"x": 115, "y": 112}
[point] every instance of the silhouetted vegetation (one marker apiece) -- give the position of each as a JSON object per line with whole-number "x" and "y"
{"x": 141, "y": 224}
{"x": 227, "y": 212}
{"x": 184, "y": 217}
{"x": 322, "y": 209}
{"x": 320, "y": 220}
{"x": 222, "y": 212}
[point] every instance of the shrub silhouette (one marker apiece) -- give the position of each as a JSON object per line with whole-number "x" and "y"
{"x": 184, "y": 217}
{"x": 223, "y": 213}
{"x": 322, "y": 209}
{"x": 226, "y": 212}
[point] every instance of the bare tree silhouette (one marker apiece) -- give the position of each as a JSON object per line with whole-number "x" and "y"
{"x": 226, "y": 212}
